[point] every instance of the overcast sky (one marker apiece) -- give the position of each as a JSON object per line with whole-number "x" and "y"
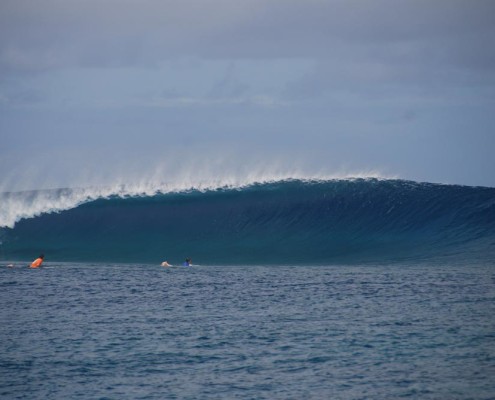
{"x": 99, "y": 91}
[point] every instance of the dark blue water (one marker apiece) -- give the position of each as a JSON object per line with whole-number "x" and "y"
{"x": 278, "y": 223}
{"x": 136, "y": 331}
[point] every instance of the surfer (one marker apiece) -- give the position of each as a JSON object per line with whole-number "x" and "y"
{"x": 37, "y": 263}
{"x": 166, "y": 264}
{"x": 187, "y": 263}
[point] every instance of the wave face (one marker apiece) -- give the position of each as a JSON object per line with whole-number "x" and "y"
{"x": 285, "y": 222}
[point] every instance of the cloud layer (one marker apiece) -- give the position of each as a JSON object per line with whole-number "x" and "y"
{"x": 406, "y": 87}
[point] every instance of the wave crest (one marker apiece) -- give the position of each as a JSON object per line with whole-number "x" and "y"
{"x": 16, "y": 206}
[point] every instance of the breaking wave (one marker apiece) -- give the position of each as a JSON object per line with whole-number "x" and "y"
{"x": 288, "y": 221}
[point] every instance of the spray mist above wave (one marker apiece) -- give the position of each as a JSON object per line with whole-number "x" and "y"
{"x": 16, "y": 206}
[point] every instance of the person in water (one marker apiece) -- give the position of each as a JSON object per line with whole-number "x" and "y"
{"x": 37, "y": 263}
{"x": 166, "y": 264}
{"x": 187, "y": 263}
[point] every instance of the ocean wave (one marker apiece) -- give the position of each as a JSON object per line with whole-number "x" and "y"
{"x": 15, "y": 206}
{"x": 280, "y": 222}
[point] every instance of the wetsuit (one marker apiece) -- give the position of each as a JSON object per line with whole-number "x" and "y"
{"x": 36, "y": 263}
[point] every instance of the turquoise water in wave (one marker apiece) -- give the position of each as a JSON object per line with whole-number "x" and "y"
{"x": 138, "y": 331}
{"x": 277, "y": 223}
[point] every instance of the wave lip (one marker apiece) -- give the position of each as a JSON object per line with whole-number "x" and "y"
{"x": 289, "y": 221}
{"x": 30, "y": 204}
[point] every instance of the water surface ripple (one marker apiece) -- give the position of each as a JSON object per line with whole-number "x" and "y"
{"x": 340, "y": 332}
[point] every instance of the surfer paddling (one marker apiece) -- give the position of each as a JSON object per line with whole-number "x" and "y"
{"x": 166, "y": 264}
{"x": 187, "y": 262}
{"x": 37, "y": 263}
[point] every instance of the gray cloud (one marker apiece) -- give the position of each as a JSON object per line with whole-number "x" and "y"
{"x": 54, "y": 33}
{"x": 331, "y": 82}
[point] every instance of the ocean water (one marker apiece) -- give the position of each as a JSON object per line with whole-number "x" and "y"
{"x": 337, "y": 289}
{"x": 141, "y": 331}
